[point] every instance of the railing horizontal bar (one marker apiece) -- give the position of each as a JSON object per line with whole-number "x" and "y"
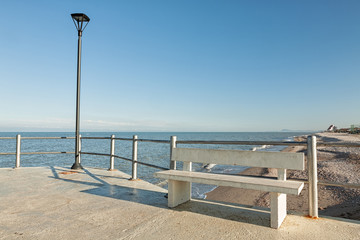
{"x": 7, "y": 153}
{"x": 123, "y": 158}
{"x": 290, "y": 143}
{"x": 244, "y": 143}
{"x": 95, "y": 137}
{"x": 99, "y": 154}
{"x": 47, "y": 138}
{"x": 106, "y": 155}
{"x": 325, "y": 183}
{"x": 287, "y": 143}
{"x": 346, "y": 185}
{"x": 334, "y": 144}
{"x": 151, "y": 165}
{"x": 34, "y": 153}
{"x": 124, "y": 139}
{"x": 297, "y": 179}
{"x": 152, "y": 140}
{"x": 127, "y": 159}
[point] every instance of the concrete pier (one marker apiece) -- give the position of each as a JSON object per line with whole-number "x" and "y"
{"x": 59, "y": 203}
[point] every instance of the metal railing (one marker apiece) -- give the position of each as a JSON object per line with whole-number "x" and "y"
{"x": 18, "y": 152}
{"x": 311, "y": 144}
{"x": 134, "y": 159}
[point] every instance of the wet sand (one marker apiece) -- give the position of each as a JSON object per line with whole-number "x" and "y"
{"x": 335, "y": 164}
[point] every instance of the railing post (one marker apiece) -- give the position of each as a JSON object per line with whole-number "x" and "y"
{"x": 112, "y": 152}
{"x": 18, "y": 150}
{"x": 312, "y": 171}
{"x": 172, "y": 146}
{"x": 79, "y": 144}
{"x": 134, "y": 158}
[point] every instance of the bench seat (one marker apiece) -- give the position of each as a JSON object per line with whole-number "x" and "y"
{"x": 255, "y": 183}
{"x": 179, "y": 181}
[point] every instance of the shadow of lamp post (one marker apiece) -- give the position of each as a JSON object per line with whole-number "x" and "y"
{"x": 80, "y": 21}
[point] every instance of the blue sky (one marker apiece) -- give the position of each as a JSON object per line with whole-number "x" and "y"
{"x": 181, "y": 65}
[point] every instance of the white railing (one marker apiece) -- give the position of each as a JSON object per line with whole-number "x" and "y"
{"x": 18, "y": 152}
{"x": 311, "y": 145}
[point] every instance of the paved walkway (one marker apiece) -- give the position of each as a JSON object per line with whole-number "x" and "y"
{"x": 55, "y": 203}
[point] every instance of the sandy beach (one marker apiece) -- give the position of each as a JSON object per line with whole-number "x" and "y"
{"x": 335, "y": 164}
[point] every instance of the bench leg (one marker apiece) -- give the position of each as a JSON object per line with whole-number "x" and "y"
{"x": 278, "y": 209}
{"x": 178, "y": 192}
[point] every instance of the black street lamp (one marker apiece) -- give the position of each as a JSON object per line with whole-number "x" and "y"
{"x": 80, "y": 21}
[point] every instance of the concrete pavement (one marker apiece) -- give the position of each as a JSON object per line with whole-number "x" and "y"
{"x": 57, "y": 203}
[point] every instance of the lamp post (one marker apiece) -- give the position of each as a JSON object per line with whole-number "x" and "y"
{"x": 80, "y": 21}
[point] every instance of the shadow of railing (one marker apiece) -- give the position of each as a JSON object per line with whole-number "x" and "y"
{"x": 121, "y": 192}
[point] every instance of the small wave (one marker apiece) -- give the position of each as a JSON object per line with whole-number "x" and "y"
{"x": 204, "y": 194}
{"x": 200, "y": 190}
{"x": 259, "y": 148}
{"x": 290, "y": 139}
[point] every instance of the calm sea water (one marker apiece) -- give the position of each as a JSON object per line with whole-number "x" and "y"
{"x": 153, "y": 153}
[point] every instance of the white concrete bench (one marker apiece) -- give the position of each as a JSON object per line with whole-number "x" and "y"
{"x": 179, "y": 181}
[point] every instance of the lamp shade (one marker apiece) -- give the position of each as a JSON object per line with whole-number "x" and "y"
{"x": 79, "y": 20}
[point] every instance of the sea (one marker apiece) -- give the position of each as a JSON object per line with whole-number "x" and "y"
{"x": 148, "y": 152}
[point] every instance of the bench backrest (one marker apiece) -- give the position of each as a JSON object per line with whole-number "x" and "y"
{"x": 281, "y": 160}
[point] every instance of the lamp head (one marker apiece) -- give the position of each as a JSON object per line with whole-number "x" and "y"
{"x": 79, "y": 19}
